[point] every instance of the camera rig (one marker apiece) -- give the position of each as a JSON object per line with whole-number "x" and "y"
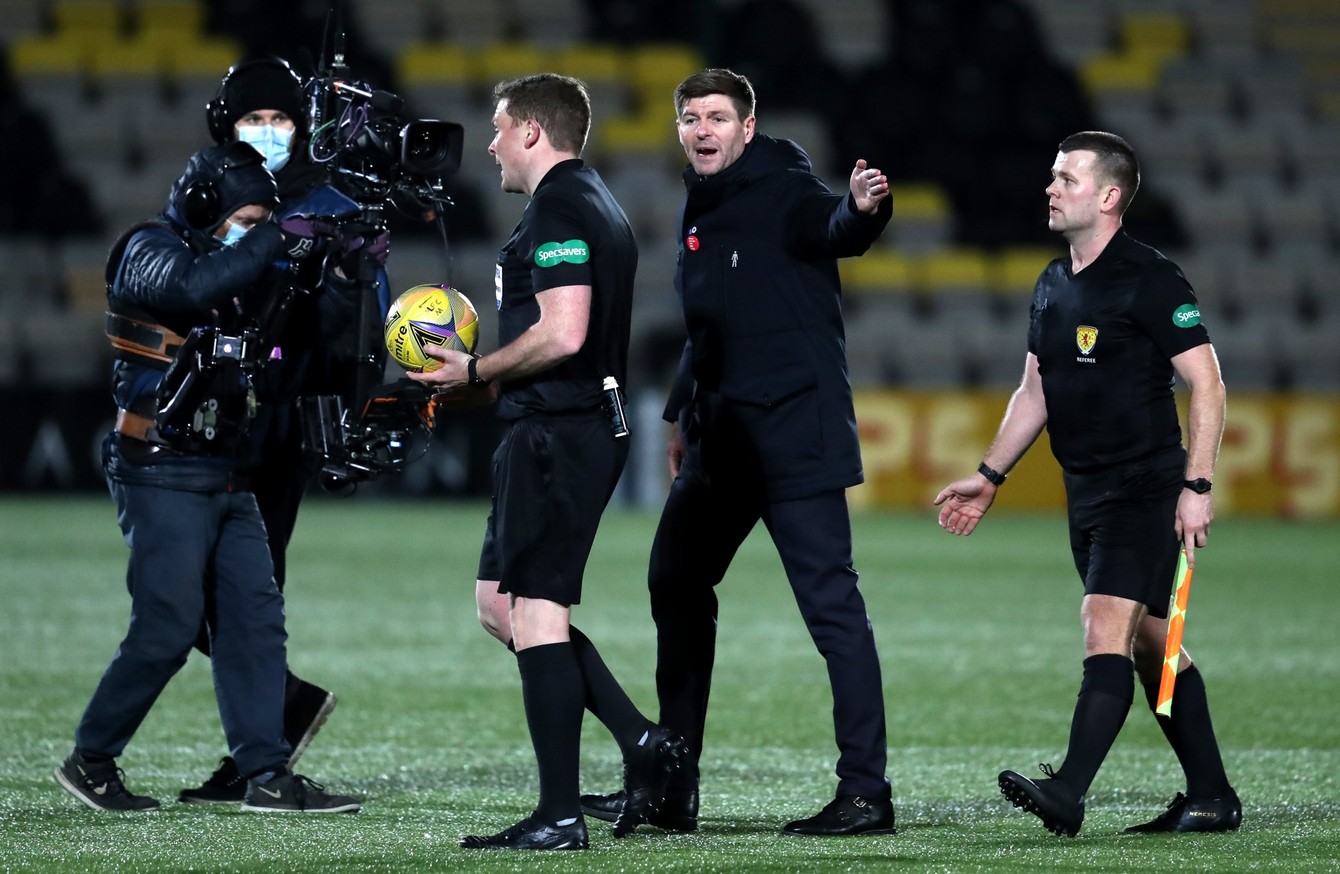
{"x": 392, "y": 429}
{"x": 377, "y": 157}
{"x": 375, "y": 154}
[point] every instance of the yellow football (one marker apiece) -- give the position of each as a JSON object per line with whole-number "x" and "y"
{"x": 430, "y": 314}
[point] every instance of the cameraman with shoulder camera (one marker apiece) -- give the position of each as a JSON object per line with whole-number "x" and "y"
{"x": 184, "y": 291}
{"x": 261, "y": 102}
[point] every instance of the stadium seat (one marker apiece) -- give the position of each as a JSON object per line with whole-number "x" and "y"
{"x": 441, "y": 80}
{"x": 879, "y": 271}
{"x": 1224, "y": 31}
{"x": 88, "y": 19}
{"x": 181, "y": 19}
{"x": 510, "y": 60}
{"x": 1190, "y": 86}
{"x": 1160, "y": 35}
{"x": 549, "y": 23}
{"x": 604, "y": 69}
{"x": 470, "y": 24}
{"x": 433, "y": 63}
{"x": 657, "y": 68}
{"x": 954, "y": 271}
{"x": 1015, "y": 270}
{"x": 923, "y": 218}
{"x": 1117, "y": 79}
{"x": 636, "y": 137}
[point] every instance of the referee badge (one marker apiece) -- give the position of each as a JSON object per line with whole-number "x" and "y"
{"x": 1086, "y": 337}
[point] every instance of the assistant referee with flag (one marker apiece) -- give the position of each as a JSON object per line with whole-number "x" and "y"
{"x": 1110, "y": 329}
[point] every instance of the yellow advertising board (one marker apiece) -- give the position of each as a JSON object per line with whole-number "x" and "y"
{"x": 1280, "y": 455}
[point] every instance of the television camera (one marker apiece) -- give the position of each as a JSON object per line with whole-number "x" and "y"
{"x": 377, "y": 157}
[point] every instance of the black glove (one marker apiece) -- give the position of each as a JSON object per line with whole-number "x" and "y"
{"x": 374, "y": 245}
{"x": 302, "y": 234}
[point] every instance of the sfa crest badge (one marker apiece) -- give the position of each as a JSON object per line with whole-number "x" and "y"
{"x": 1086, "y": 336}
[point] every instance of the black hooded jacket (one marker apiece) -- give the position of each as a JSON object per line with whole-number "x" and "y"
{"x": 765, "y": 364}
{"x": 167, "y": 273}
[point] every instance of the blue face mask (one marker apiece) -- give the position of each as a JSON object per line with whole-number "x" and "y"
{"x": 235, "y": 233}
{"x": 270, "y": 141}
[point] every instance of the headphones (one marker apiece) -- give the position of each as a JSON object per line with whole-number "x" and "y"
{"x": 216, "y": 110}
{"x": 202, "y": 201}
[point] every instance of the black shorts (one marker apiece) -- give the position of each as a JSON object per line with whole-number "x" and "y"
{"x": 552, "y": 477}
{"x": 1122, "y": 529}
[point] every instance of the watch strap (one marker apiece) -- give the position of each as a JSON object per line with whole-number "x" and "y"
{"x": 992, "y": 475}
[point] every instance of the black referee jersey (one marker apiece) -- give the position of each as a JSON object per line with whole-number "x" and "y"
{"x": 572, "y": 232}
{"x": 1104, "y": 340}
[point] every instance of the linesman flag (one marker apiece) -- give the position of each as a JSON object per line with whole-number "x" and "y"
{"x": 1172, "y": 650}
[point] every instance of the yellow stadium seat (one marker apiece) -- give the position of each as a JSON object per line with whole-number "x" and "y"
{"x": 879, "y": 272}
{"x": 1016, "y": 269}
{"x": 656, "y": 68}
{"x": 205, "y": 57}
{"x": 59, "y": 55}
{"x": 436, "y": 63}
{"x": 97, "y": 18}
{"x": 642, "y": 134}
{"x": 179, "y": 17}
{"x": 1124, "y": 72}
{"x": 920, "y": 202}
{"x": 954, "y": 271}
{"x": 592, "y": 62}
{"x": 511, "y": 60}
{"x": 1159, "y": 35}
{"x": 131, "y": 58}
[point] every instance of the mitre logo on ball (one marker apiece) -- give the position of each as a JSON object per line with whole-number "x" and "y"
{"x": 430, "y": 315}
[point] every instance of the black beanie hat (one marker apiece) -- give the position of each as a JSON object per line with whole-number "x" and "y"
{"x": 220, "y": 180}
{"x": 266, "y": 83}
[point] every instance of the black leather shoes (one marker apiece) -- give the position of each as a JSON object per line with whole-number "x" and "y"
{"x": 531, "y": 834}
{"x": 678, "y": 812}
{"x": 1184, "y": 814}
{"x": 847, "y": 815}
{"x": 646, "y": 774}
{"x": 1050, "y": 800}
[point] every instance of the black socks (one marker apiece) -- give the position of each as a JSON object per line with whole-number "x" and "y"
{"x": 1191, "y": 735}
{"x": 1105, "y": 696}
{"x": 551, "y": 687}
{"x": 605, "y": 698}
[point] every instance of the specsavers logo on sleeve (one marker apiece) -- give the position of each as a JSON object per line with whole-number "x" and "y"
{"x": 1186, "y": 316}
{"x": 572, "y": 251}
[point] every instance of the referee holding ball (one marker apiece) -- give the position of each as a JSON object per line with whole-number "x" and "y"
{"x": 565, "y": 296}
{"x": 1110, "y": 328}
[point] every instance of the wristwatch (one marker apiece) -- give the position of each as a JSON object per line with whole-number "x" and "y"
{"x": 992, "y": 476}
{"x": 474, "y": 378}
{"x": 1200, "y": 485}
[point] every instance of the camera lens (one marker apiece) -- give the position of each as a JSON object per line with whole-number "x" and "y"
{"x": 431, "y": 148}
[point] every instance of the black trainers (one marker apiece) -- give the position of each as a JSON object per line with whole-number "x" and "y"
{"x": 645, "y": 776}
{"x": 306, "y": 709}
{"x": 532, "y": 834}
{"x": 294, "y": 793}
{"x": 678, "y": 811}
{"x": 225, "y": 786}
{"x": 847, "y": 815}
{"x": 1223, "y": 814}
{"x": 99, "y": 785}
{"x": 1050, "y": 800}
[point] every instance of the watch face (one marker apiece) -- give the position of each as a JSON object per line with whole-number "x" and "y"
{"x": 1200, "y": 485}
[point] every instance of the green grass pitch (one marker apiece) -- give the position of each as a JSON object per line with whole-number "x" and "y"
{"x": 979, "y": 640}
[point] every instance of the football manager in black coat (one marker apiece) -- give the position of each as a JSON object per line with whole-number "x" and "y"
{"x": 764, "y": 428}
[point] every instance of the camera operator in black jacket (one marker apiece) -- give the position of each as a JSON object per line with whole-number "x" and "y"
{"x": 190, "y": 299}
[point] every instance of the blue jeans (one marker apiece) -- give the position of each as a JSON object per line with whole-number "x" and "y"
{"x": 177, "y": 540}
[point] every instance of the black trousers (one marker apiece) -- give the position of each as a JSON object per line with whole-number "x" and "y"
{"x": 702, "y": 525}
